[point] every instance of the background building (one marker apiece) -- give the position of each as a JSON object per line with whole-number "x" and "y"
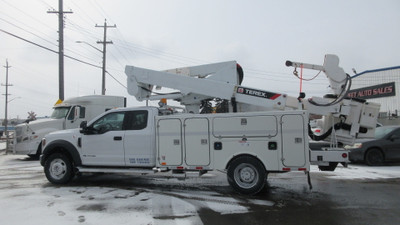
{"x": 381, "y": 86}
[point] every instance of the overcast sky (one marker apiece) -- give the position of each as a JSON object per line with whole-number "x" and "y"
{"x": 260, "y": 34}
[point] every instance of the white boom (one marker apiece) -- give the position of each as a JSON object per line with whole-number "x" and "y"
{"x": 335, "y": 74}
{"x": 350, "y": 118}
{"x": 195, "y": 84}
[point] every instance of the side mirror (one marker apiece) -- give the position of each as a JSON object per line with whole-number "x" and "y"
{"x": 394, "y": 137}
{"x": 83, "y": 126}
{"x": 77, "y": 112}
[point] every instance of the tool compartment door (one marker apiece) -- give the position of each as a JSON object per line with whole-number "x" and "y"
{"x": 197, "y": 142}
{"x": 169, "y": 142}
{"x": 293, "y": 141}
{"x": 245, "y": 126}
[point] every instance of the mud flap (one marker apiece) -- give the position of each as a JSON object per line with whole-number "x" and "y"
{"x": 309, "y": 180}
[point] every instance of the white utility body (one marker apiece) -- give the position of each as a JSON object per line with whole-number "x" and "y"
{"x": 258, "y": 132}
{"x": 66, "y": 115}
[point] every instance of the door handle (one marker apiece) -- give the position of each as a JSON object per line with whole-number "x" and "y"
{"x": 117, "y": 138}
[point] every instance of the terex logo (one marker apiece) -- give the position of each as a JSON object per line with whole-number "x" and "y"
{"x": 258, "y": 93}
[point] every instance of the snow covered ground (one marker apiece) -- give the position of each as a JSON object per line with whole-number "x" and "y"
{"x": 26, "y": 197}
{"x": 360, "y": 171}
{"x": 97, "y": 205}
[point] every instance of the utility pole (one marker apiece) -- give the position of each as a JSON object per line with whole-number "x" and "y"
{"x": 104, "y": 42}
{"x": 6, "y": 105}
{"x": 60, "y": 48}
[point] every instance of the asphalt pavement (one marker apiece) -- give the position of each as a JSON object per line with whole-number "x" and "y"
{"x": 165, "y": 199}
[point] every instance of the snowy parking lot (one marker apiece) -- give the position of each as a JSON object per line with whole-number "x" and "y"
{"x": 26, "y": 197}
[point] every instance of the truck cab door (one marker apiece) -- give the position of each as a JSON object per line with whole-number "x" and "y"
{"x": 103, "y": 141}
{"x": 139, "y": 142}
{"x": 75, "y": 117}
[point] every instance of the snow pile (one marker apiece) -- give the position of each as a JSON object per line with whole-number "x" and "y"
{"x": 361, "y": 172}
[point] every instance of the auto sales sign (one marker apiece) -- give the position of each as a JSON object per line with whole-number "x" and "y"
{"x": 376, "y": 91}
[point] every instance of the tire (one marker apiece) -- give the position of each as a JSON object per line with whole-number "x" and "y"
{"x": 374, "y": 157}
{"x": 58, "y": 168}
{"x": 247, "y": 175}
{"x": 332, "y": 166}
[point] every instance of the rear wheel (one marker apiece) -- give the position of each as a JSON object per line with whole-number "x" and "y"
{"x": 332, "y": 166}
{"x": 247, "y": 175}
{"x": 58, "y": 168}
{"x": 374, "y": 157}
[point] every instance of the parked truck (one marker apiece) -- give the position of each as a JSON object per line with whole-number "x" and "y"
{"x": 66, "y": 115}
{"x": 257, "y": 132}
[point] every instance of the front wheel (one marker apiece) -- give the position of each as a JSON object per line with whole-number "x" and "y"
{"x": 58, "y": 169}
{"x": 247, "y": 175}
{"x": 374, "y": 157}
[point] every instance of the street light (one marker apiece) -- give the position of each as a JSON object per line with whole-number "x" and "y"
{"x": 84, "y": 42}
{"x": 103, "y": 83}
{"x": 13, "y": 99}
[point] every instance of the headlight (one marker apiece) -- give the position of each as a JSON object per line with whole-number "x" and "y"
{"x": 356, "y": 145}
{"x": 34, "y": 137}
{"x": 43, "y": 142}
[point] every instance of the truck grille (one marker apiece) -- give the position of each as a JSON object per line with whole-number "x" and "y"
{"x": 18, "y": 134}
{"x": 18, "y": 131}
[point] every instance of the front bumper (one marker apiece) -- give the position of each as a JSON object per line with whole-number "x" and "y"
{"x": 23, "y": 148}
{"x": 356, "y": 155}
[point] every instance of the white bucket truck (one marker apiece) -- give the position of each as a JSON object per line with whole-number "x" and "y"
{"x": 258, "y": 132}
{"x": 66, "y": 115}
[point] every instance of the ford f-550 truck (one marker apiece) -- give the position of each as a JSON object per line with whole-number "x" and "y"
{"x": 247, "y": 145}
{"x": 260, "y": 132}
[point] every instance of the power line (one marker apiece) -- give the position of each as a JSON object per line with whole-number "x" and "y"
{"x": 116, "y": 79}
{"x": 51, "y": 50}
{"x": 102, "y": 12}
{"x": 83, "y": 12}
{"x": 47, "y": 5}
{"x": 19, "y": 10}
{"x": 81, "y": 29}
{"x": 27, "y": 31}
{"x": 43, "y": 38}
{"x": 124, "y": 41}
{"x": 48, "y": 49}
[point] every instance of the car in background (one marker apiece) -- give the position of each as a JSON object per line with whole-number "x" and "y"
{"x": 384, "y": 147}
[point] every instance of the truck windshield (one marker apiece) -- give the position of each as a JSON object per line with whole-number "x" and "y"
{"x": 60, "y": 112}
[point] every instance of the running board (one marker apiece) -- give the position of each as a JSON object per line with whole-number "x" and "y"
{"x": 117, "y": 170}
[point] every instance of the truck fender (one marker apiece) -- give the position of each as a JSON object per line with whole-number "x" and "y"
{"x": 246, "y": 154}
{"x": 63, "y": 147}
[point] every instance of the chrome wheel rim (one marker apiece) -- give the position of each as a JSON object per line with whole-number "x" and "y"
{"x": 58, "y": 168}
{"x": 246, "y": 175}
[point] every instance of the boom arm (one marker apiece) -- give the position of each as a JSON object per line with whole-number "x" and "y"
{"x": 336, "y": 75}
{"x": 195, "y": 84}
{"x": 344, "y": 119}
